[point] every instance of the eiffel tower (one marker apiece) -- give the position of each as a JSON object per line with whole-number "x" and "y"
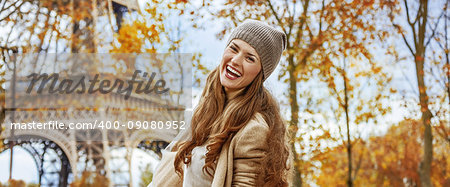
{"x": 62, "y": 155}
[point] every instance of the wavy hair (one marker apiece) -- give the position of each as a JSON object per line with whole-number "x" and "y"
{"x": 217, "y": 119}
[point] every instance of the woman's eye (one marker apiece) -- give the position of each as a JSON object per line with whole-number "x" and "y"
{"x": 233, "y": 48}
{"x": 251, "y": 59}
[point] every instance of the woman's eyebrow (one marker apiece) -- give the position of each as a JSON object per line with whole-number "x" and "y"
{"x": 235, "y": 45}
{"x": 252, "y": 55}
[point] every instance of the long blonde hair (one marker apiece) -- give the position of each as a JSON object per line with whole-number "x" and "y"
{"x": 214, "y": 111}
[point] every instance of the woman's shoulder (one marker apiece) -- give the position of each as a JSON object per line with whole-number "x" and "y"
{"x": 258, "y": 120}
{"x": 251, "y": 139}
{"x": 256, "y": 127}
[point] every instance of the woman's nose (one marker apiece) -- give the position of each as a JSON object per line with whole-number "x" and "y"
{"x": 237, "y": 60}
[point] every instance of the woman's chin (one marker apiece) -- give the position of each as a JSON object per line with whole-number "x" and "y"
{"x": 228, "y": 86}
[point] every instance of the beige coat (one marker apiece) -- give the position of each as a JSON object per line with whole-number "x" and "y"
{"x": 238, "y": 161}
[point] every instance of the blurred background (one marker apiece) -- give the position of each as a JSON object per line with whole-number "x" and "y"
{"x": 363, "y": 85}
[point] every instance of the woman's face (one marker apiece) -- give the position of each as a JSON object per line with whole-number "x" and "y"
{"x": 239, "y": 66}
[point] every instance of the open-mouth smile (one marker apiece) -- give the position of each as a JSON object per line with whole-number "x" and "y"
{"x": 232, "y": 73}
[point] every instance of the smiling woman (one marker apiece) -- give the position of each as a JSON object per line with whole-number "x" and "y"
{"x": 236, "y": 120}
{"x": 240, "y": 65}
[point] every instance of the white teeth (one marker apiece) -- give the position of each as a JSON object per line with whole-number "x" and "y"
{"x": 233, "y": 71}
{"x": 231, "y": 75}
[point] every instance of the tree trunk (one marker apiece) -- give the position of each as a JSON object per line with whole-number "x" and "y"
{"x": 294, "y": 118}
{"x": 349, "y": 145}
{"x": 446, "y": 53}
{"x": 425, "y": 164}
{"x": 419, "y": 59}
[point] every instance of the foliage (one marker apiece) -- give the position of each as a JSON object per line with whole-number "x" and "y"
{"x": 421, "y": 32}
{"x": 17, "y": 183}
{"x": 147, "y": 33}
{"x": 90, "y": 179}
{"x": 388, "y": 160}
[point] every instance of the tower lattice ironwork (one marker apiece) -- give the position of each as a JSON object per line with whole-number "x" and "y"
{"x": 62, "y": 155}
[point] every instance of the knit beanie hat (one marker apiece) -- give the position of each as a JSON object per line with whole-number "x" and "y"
{"x": 268, "y": 42}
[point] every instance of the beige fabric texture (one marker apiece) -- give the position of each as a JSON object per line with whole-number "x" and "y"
{"x": 238, "y": 161}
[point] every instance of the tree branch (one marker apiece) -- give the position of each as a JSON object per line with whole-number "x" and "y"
{"x": 411, "y": 24}
{"x": 434, "y": 30}
{"x": 276, "y": 16}
{"x": 302, "y": 23}
{"x": 11, "y": 11}
{"x": 404, "y": 38}
{"x": 291, "y": 21}
{"x": 320, "y": 18}
{"x": 407, "y": 12}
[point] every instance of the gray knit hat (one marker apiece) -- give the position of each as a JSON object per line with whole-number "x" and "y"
{"x": 268, "y": 42}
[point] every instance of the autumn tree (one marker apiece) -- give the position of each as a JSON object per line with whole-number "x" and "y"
{"x": 418, "y": 35}
{"x": 390, "y": 159}
{"x": 311, "y": 28}
{"x": 440, "y": 72}
{"x": 359, "y": 90}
